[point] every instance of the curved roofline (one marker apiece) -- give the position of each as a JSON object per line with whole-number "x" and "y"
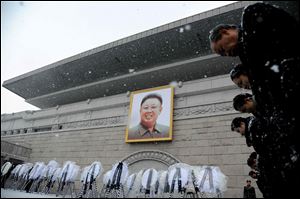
{"x": 137, "y": 36}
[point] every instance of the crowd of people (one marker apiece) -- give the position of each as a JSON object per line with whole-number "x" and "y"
{"x": 266, "y": 41}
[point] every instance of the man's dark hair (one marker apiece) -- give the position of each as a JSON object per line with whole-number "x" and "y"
{"x": 239, "y": 100}
{"x": 239, "y": 69}
{"x": 250, "y": 162}
{"x": 251, "y": 173}
{"x": 236, "y": 122}
{"x": 215, "y": 33}
{"x": 153, "y": 95}
{"x": 253, "y": 155}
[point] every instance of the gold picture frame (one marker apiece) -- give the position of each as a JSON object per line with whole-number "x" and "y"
{"x": 150, "y": 115}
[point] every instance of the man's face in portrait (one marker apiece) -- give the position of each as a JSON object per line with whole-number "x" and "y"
{"x": 150, "y": 111}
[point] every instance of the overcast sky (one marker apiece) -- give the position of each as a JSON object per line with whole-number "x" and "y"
{"x": 35, "y": 34}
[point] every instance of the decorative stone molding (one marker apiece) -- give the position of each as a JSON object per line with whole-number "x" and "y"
{"x": 182, "y": 113}
{"x": 179, "y": 114}
{"x": 204, "y": 111}
{"x": 103, "y": 122}
{"x": 155, "y": 155}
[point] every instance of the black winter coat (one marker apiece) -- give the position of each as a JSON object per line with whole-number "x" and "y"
{"x": 267, "y": 38}
{"x": 249, "y": 192}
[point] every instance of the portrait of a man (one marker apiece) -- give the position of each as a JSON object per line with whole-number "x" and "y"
{"x": 150, "y": 115}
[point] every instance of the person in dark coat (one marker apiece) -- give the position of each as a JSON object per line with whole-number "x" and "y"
{"x": 278, "y": 156}
{"x": 249, "y": 191}
{"x": 257, "y": 136}
{"x": 265, "y": 42}
{"x": 269, "y": 142}
{"x": 268, "y": 36}
{"x": 272, "y": 154}
{"x": 255, "y": 133}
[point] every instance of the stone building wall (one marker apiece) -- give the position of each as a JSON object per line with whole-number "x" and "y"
{"x": 95, "y": 131}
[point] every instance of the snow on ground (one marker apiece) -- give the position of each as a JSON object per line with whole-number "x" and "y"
{"x": 8, "y": 193}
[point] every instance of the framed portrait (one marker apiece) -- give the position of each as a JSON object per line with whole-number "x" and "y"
{"x": 150, "y": 115}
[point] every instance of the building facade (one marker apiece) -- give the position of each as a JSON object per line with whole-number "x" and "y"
{"x": 84, "y": 103}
